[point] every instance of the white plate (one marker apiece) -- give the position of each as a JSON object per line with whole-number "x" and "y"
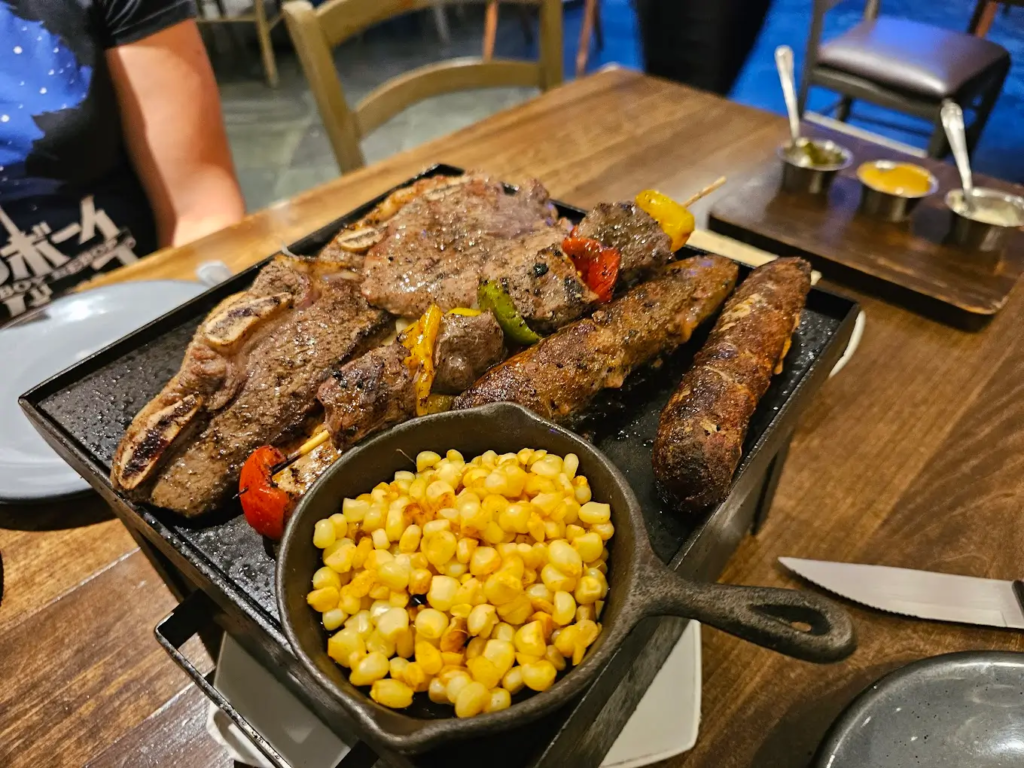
{"x": 664, "y": 723}
{"x": 45, "y": 343}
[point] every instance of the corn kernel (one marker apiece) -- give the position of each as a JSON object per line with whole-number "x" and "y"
{"x": 461, "y": 610}
{"x": 428, "y": 657}
{"x": 553, "y": 529}
{"x": 394, "y": 523}
{"x": 341, "y": 560}
{"x": 453, "y": 658}
{"x": 394, "y": 575}
{"x": 555, "y": 580}
{"x": 517, "y": 610}
{"x": 438, "y": 692}
{"x": 456, "y": 682}
{"x": 354, "y": 510}
{"x": 464, "y": 550}
{"x": 589, "y": 590}
{"x": 471, "y": 699}
{"x": 380, "y": 539}
{"x": 415, "y": 677}
{"x": 377, "y": 557}
{"x": 431, "y": 624}
{"x": 493, "y": 533}
{"x": 397, "y": 667}
{"x": 420, "y": 581}
{"x": 540, "y": 597}
{"x": 454, "y": 637}
{"x": 565, "y": 608}
{"x": 556, "y": 658}
{"x": 501, "y": 653}
{"x": 334, "y": 618}
{"x": 547, "y": 624}
{"x": 343, "y": 644}
{"x": 565, "y": 558}
{"x": 547, "y": 502}
{"x": 391, "y": 693}
{"x": 583, "y": 494}
{"x": 589, "y": 545}
{"x": 326, "y": 577}
{"x": 425, "y": 460}
{"x": 529, "y": 639}
{"x": 516, "y": 517}
{"x": 455, "y": 569}
{"x": 440, "y": 548}
{"x": 470, "y": 591}
{"x": 502, "y": 587}
{"x": 405, "y": 643}
{"x": 410, "y": 539}
{"x": 567, "y": 640}
{"x": 323, "y": 534}
{"x": 489, "y": 459}
{"x": 513, "y": 564}
{"x": 504, "y": 631}
{"x": 539, "y": 675}
{"x": 378, "y": 608}
{"x": 393, "y": 621}
{"x": 363, "y": 549}
{"x": 419, "y": 561}
{"x": 513, "y": 680}
{"x": 374, "y": 518}
{"x": 548, "y": 467}
{"x": 340, "y": 525}
{"x": 436, "y": 526}
{"x": 442, "y": 592}
{"x": 323, "y": 600}
{"x": 536, "y": 527}
{"x": 484, "y": 671}
{"x": 377, "y": 643}
{"x": 593, "y": 513}
{"x": 450, "y": 473}
{"x": 349, "y": 602}
{"x": 604, "y": 530}
{"x": 499, "y": 699}
{"x": 373, "y": 667}
{"x": 585, "y": 613}
{"x": 482, "y": 620}
{"x": 474, "y": 648}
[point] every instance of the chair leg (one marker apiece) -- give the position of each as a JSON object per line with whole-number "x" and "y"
{"x": 843, "y": 109}
{"x": 988, "y": 100}
{"x": 490, "y": 29}
{"x": 441, "y": 22}
{"x": 938, "y": 147}
{"x": 586, "y": 30}
{"x": 266, "y": 46}
{"x": 984, "y": 14}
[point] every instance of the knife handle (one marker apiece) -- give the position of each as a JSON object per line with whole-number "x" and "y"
{"x": 1018, "y": 592}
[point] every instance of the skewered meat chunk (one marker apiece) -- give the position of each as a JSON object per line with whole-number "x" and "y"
{"x": 378, "y": 389}
{"x": 561, "y": 374}
{"x": 702, "y": 428}
{"x": 254, "y": 367}
{"x": 438, "y": 248}
{"x": 632, "y": 231}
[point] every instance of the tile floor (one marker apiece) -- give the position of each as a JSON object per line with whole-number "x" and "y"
{"x": 280, "y": 148}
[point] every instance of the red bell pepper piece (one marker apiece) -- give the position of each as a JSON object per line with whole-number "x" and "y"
{"x": 597, "y": 265}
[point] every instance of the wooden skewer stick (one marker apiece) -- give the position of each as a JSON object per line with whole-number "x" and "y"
{"x": 310, "y": 445}
{"x": 704, "y": 192}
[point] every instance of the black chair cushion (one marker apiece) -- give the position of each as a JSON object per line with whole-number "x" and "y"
{"x": 907, "y": 56}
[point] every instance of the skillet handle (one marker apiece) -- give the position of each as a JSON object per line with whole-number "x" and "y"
{"x": 798, "y": 624}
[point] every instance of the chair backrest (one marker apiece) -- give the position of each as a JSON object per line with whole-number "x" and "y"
{"x": 316, "y": 31}
{"x": 821, "y": 7}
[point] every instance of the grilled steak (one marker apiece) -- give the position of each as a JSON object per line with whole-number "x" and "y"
{"x": 377, "y": 390}
{"x": 249, "y": 377}
{"x": 440, "y": 246}
{"x": 701, "y": 432}
{"x": 631, "y": 230}
{"x": 561, "y": 374}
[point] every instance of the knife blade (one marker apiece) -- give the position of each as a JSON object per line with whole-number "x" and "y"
{"x": 921, "y": 594}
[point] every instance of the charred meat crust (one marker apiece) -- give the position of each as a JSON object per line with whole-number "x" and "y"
{"x": 702, "y": 428}
{"x": 639, "y": 239}
{"x": 559, "y": 376}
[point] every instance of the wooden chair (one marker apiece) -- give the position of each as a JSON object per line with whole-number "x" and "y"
{"x": 590, "y": 27}
{"x": 316, "y": 31}
{"x": 905, "y": 66}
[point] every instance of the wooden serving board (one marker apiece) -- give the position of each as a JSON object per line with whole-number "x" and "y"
{"x": 909, "y": 262}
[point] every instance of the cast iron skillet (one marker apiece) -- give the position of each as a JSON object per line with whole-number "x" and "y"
{"x": 639, "y": 584}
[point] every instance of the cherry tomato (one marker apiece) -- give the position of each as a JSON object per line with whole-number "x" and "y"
{"x": 265, "y": 505}
{"x": 598, "y": 265}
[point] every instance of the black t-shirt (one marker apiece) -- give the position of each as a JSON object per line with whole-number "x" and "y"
{"x": 71, "y": 204}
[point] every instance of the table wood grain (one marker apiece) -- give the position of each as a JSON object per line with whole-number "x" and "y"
{"x": 912, "y": 456}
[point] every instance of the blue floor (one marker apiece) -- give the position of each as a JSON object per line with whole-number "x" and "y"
{"x": 1001, "y": 150}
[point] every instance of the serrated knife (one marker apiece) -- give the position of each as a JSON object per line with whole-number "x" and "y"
{"x": 921, "y": 594}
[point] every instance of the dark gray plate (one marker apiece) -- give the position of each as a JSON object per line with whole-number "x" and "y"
{"x": 959, "y": 710}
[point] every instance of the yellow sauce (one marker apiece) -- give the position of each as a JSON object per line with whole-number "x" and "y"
{"x": 900, "y": 179}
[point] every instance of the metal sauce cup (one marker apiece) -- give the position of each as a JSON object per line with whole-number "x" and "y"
{"x": 977, "y": 229}
{"x": 886, "y": 205}
{"x": 801, "y": 175}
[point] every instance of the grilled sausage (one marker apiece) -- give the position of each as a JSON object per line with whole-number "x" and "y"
{"x": 702, "y": 428}
{"x": 560, "y": 375}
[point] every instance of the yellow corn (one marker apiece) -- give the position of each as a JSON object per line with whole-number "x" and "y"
{"x": 405, "y": 643}
{"x": 341, "y": 645}
{"x": 323, "y": 533}
{"x": 410, "y": 539}
{"x": 565, "y": 608}
{"x": 461, "y": 610}
{"x": 323, "y": 600}
{"x": 425, "y": 460}
{"x": 431, "y": 623}
{"x": 440, "y": 548}
{"x": 565, "y": 558}
{"x": 374, "y": 666}
{"x": 376, "y": 642}
{"x": 454, "y": 637}
{"x": 354, "y": 510}
{"x": 555, "y": 580}
{"x": 334, "y": 618}
{"x": 504, "y": 631}
{"x": 415, "y": 677}
{"x": 456, "y": 682}
{"x": 516, "y": 517}
{"x": 604, "y": 530}
{"x": 438, "y": 691}
{"x": 529, "y": 638}
{"x": 453, "y": 658}
{"x": 394, "y": 575}
{"x": 474, "y": 648}
{"x": 552, "y": 654}
{"x": 395, "y": 620}
{"x": 341, "y": 559}
{"x": 484, "y": 671}
{"x": 517, "y": 610}
{"x": 428, "y": 657}
{"x": 513, "y": 680}
{"x": 391, "y": 693}
{"x": 502, "y": 587}
{"x": 539, "y": 675}
{"x": 471, "y": 699}
{"x": 340, "y": 525}
{"x": 590, "y": 590}
{"x": 326, "y": 577}
{"x": 501, "y": 653}
{"x": 397, "y": 668}
{"x": 482, "y": 620}
{"x": 442, "y": 592}
{"x": 499, "y": 699}
{"x": 379, "y": 592}
{"x": 464, "y": 550}
{"x": 455, "y": 569}
{"x": 420, "y": 581}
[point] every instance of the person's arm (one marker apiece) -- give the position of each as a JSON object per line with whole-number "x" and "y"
{"x": 170, "y": 110}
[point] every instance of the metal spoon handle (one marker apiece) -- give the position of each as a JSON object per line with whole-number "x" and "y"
{"x": 953, "y": 123}
{"x": 784, "y": 63}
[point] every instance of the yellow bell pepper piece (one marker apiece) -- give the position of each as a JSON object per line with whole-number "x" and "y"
{"x": 420, "y": 339}
{"x": 675, "y": 221}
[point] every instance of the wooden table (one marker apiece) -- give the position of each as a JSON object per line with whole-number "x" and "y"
{"x": 913, "y": 456}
